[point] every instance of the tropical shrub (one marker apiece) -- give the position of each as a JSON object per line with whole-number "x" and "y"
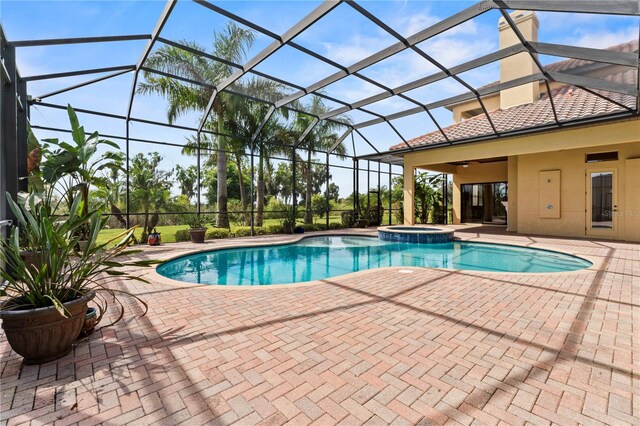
{"x": 218, "y": 233}
{"x": 275, "y": 209}
{"x": 274, "y": 229}
{"x": 182, "y": 235}
{"x": 64, "y": 274}
{"x": 197, "y": 221}
{"x": 348, "y": 219}
{"x": 242, "y": 231}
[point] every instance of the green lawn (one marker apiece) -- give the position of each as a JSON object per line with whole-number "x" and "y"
{"x": 168, "y": 232}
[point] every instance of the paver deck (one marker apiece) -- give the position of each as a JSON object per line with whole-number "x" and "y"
{"x": 377, "y": 347}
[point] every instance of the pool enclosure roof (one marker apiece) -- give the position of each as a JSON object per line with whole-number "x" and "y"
{"x": 342, "y": 112}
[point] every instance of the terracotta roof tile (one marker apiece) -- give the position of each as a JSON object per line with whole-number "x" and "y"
{"x": 571, "y": 64}
{"x": 570, "y": 102}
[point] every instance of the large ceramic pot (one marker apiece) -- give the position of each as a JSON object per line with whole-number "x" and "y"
{"x": 197, "y": 235}
{"x": 154, "y": 238}
{"x": 42, "y": 335}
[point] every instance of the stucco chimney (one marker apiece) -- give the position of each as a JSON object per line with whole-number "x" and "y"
{"x": 519, "y": 65}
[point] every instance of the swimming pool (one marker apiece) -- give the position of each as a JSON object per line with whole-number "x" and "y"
{"x": 316, "y": 258}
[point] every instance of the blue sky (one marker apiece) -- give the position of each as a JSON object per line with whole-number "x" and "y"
{"x": 344, "y": 36}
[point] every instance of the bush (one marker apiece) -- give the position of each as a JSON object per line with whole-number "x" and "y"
{"x": 234, "y": 205}
{"x": 242, "y": 231}
{"x": 274, "y": 229}
{"x": 373, "y": 214}
{"x": 348, "y": 219}
{"x": 275, "y": 209}
{"x": 218, "y": 233}
{"x": 336, "y": 225}
{"x": 182, "y": 235}
{"x": 245, "y": 231}
{"x": 399, "y": 211}
{"x": 310, "y": 227}
{"x": 437, "y": 215}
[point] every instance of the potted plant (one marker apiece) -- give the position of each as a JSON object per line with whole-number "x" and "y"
{"x": 197, "y": 226}
{"x": 154, "y": 238}
{"x": 43, "y": 308}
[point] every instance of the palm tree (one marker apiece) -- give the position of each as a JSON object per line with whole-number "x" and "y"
{"x": 150, "y": 187}
{"x": 242, "y": 122}
{"x": 231, "y": 44}
{"x": 245, "y": 122}
{"x": 322, "y": 137}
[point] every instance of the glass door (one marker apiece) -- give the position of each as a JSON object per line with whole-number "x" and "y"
{"x": 602, "y": 203}
{"x": 484, "y": 203}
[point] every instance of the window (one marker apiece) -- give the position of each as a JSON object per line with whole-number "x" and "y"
{"x": 601, "y": 156}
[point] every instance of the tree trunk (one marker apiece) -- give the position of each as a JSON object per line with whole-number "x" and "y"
{"x": 308, "y": 214}
{"x": 243, "y": 195}
{"x": 260, "y": 196}
{"x": 144, "y": 237}
{"x": 222, "y": 220}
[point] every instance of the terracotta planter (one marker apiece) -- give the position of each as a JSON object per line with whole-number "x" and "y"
{"x": 197, "y": 235}
{"x": 42, "y": 335}
{"x": 32, "y": 258}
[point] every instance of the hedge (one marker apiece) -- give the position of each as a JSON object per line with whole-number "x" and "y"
{"x": 217, "y": 233}
{"x": 182, "y": 235}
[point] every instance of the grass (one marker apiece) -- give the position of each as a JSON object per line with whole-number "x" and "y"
{"x": 168, "y": 232}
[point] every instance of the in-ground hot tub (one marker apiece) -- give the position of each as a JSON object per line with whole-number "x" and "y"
{"x": 415, "y": 234}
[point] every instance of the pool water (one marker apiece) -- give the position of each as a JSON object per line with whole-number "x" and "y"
{"x": 317, "y": 258}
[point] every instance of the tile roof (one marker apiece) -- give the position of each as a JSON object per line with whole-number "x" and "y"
{"x": 571, "y": 64}
{"x": 570, "y": 102}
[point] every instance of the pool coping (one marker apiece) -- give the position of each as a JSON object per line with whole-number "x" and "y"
{"x": 597, "y": 263}
{"x": 418, "y": 229}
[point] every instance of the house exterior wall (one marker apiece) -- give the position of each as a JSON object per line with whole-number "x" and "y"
{"x": 573, "y": 189}
{"x": 527, "y": 155}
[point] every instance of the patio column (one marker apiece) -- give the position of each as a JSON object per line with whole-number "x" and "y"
{"x": 456, "y": 200}
{"x": 409, "y": 195}
{"x": 512, "y": 193}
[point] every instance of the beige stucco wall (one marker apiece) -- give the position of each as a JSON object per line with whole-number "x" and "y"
{"x": 573, "y": 190}
{"x": 562, "y": 150}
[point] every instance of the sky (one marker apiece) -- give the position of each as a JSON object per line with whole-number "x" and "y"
{"x": 344, "y": 36}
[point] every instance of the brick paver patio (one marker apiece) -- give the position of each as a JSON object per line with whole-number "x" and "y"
{"x": 377, "y": 347}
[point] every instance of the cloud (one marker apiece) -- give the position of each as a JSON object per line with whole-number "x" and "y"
{"x": 450, "y": 48}
{"x": 410, "y": 25}
{"x": 356, "y": 48}
{"x": 605, "y": 38}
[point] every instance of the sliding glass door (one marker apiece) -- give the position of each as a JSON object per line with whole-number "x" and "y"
{"x": 484, "y": 203}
